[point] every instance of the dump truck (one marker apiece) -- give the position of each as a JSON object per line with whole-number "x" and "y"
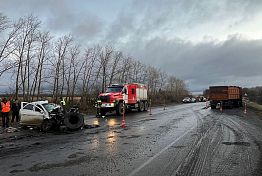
{"x": 119, "y": 96}
{"x": 225, "y": 96}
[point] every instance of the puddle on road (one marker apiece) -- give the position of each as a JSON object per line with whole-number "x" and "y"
{"x": 110, "y": 137}
{"x": 133, "y": 136}
{"x": 72, "y": 162}
{"x": 144, "y": 120}
{"x": 16, "y": 171}
{"x": 16, "y": 165}
{"x": 75, "y": 155}
{"x": 237, "y": 143}
{"x": 129, "y": 137}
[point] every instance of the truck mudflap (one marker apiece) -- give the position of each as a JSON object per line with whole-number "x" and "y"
{"x": 226, "y": 104}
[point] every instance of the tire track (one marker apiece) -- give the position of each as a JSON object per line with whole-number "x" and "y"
{"x": 232, "y": 162}
{"x": 205, "y": 144}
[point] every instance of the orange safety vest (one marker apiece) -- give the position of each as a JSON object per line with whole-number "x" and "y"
{"x": 5, "y": 106}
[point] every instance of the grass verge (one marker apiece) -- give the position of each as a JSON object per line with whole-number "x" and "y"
{"x": 256, "y": 107}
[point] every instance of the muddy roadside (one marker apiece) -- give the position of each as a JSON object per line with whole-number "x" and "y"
{"x": 19, "y": 139}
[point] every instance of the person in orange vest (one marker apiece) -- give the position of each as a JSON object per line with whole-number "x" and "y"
{"x": 5, "y": 106}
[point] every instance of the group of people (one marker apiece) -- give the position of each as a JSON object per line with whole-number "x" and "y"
{"x": 7, "y": 107}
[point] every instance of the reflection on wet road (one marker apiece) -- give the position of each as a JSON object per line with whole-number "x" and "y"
{"x": 182, "y": 140}
{"x": 110, "y": 121}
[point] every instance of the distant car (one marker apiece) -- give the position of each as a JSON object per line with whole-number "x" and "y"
{"x": 201, "y": 99}
{"x": 193, "y": 100}
{"x": 186, "y": 100}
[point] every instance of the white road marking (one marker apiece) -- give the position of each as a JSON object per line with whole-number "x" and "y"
{"x": 159, "y": 153}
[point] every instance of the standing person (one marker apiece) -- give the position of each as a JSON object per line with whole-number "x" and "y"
{"x": 62, "y": 103}
{"x": 5, "y": 105}
{"x": 15, "y": 111}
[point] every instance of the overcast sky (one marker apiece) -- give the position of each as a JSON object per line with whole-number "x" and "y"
{"x": 204, "y": 42}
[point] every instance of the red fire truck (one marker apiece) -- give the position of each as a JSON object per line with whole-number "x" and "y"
{"x": 119, "y": 96}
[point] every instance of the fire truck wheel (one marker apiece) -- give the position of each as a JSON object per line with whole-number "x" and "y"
{"x": 146, "y": 106}
{"x": 119, "y": 109}
{"x": 103, "y": 112}
{"x": 141, "y": 106}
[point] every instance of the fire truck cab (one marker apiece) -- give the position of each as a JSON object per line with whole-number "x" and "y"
{"x": 119, "y": 96}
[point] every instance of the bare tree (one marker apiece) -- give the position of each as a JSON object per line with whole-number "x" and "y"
{"x": 66, "y": 69}
{"x": 74, "y": 70}
{"x": 105, "y": 56}
{"x": 61, "y": 49}
{"x": 176, "y": 89}
{"x": 125, "y": 70}
{"x": 23, "y": 45}
{"x": 4, "y": 23}
{"x": 91, "y": 56}
{"x": 7, "y": 46}
{"x": 115, "y": 70}
{"x": 42, "y": 50}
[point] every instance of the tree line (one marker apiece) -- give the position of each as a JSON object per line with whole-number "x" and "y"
{"x": 35, "y": 62}
{"x": 254, "y": 94}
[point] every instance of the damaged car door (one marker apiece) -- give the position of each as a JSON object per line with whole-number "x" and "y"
{"x": 30, "y": 114}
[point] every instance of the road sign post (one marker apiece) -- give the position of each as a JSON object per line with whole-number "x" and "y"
{"x": 150, "y": 110}
{"x": 245, "y": 110}
{"x": 123, "y": 117}
{"x": 245, "y": 105}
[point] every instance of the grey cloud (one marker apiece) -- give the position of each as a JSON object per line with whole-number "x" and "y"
{"x": 209, "y": 62}
{"x": 89, "y": 27}
{"x": 83, "y": 25}
{"x": 122, "y": 27}
{"x": 57, "y": 16}
{"x": 150, "y": 16}
{"x": 141, "y": 31}
{"x": 206, "y": 63}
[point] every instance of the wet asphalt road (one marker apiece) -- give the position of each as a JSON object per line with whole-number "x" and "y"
{"x": 181, "y": 140}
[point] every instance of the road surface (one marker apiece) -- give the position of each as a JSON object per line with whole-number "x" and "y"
{"x": 181, "y": 140}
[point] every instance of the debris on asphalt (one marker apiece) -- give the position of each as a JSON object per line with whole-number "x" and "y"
{"x": 11, "y": 130}
{"x": 91, "y": 126}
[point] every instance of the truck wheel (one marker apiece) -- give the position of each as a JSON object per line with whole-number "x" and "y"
{"x": 47, "y": 125}
{"x": 103, "y": 112}
{"x": 141, "y": 106}
{"x": 73, "y": 120}
{"x": 146, "y": 106}
{"x": 119, "y": 108}
{"x": 100, "y": 112}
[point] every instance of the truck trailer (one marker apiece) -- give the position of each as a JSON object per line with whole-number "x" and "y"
{"x": 226, "y": 96}
{"x": 119, "y": 96}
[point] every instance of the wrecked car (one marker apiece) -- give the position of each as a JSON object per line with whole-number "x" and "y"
{"x": 47, "y": 116}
